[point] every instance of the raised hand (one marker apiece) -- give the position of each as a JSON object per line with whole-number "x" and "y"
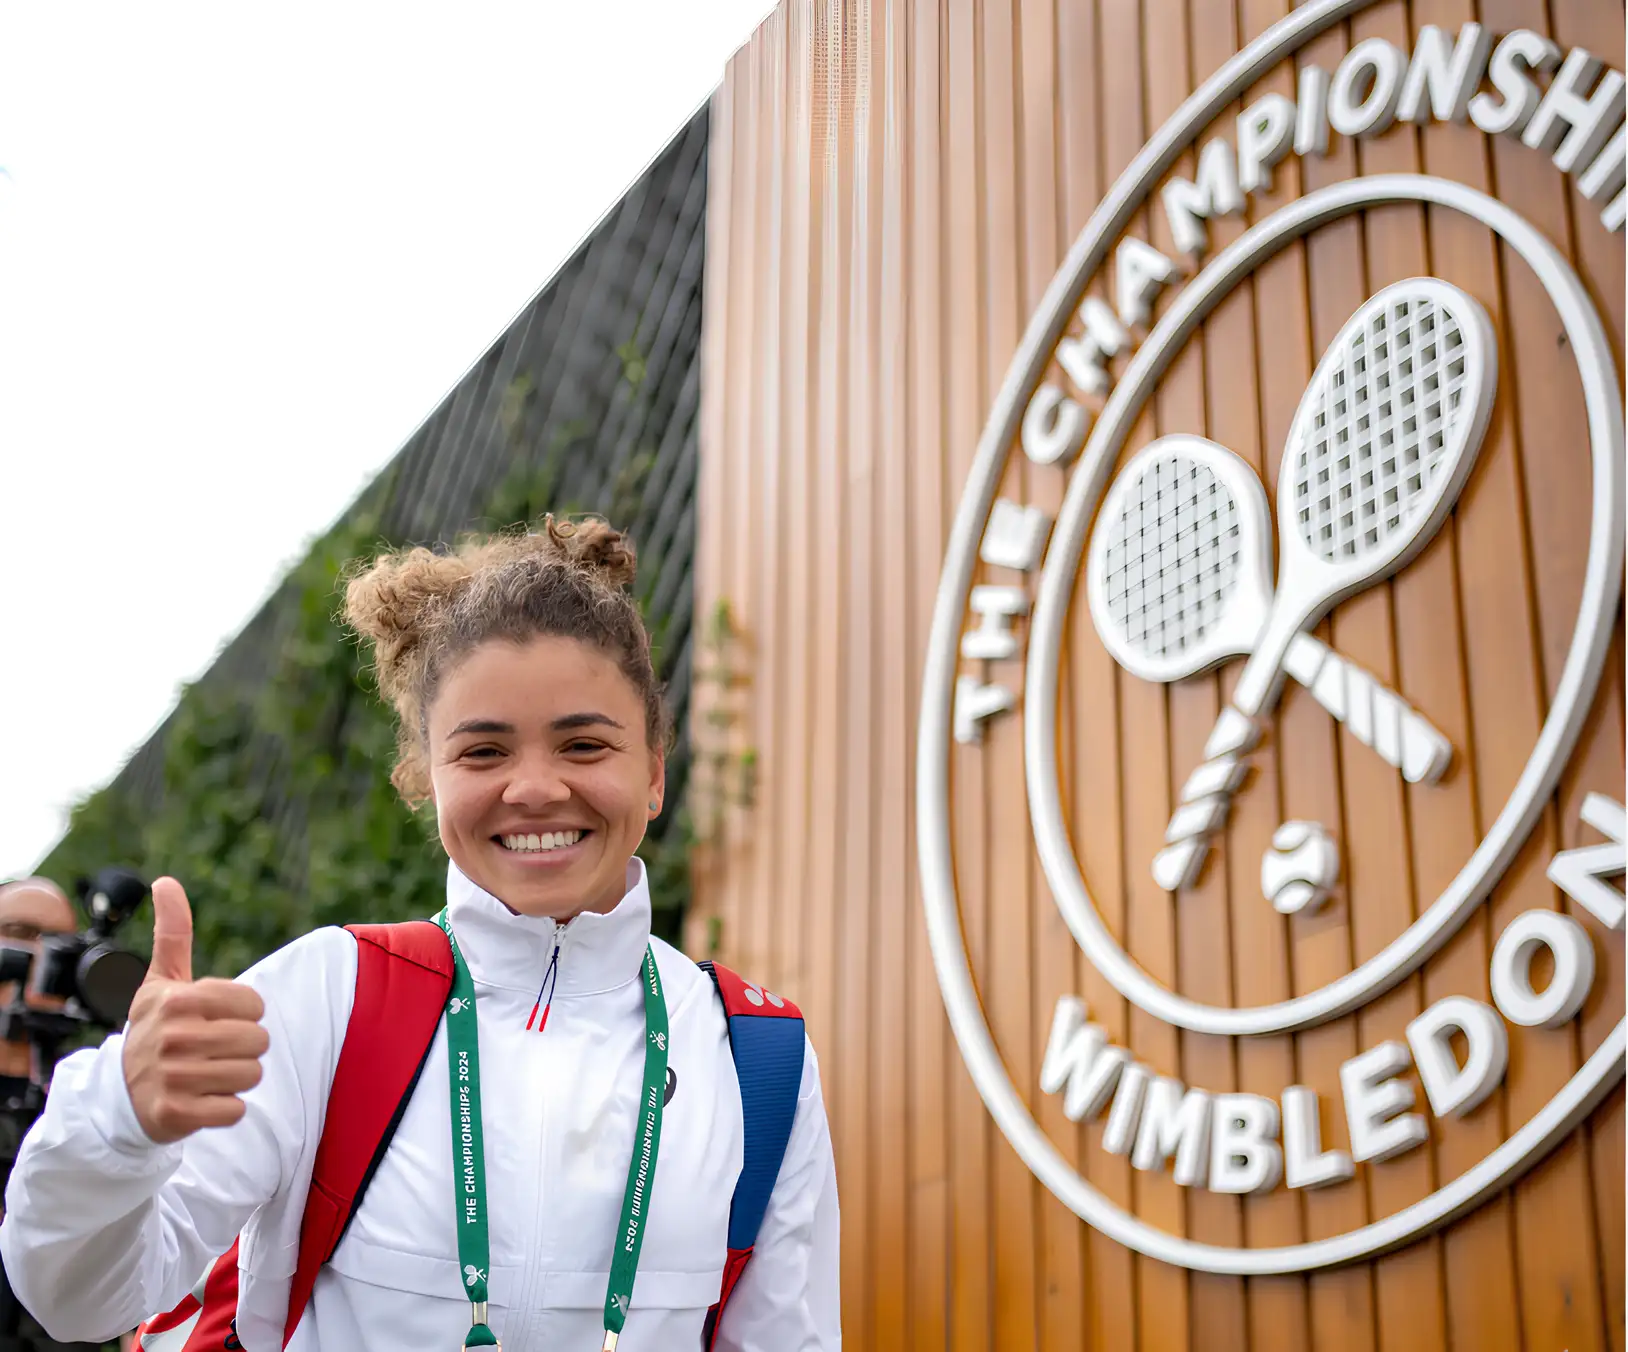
{"x": 192, "y": 1046}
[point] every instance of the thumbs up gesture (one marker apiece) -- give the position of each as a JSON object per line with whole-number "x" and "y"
{"x": 192, "y": 1046}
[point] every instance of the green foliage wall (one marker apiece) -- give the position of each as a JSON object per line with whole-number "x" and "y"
{"x": 316, "y": 737}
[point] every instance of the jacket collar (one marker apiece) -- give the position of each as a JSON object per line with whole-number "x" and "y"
{"x": 598, "y": 952}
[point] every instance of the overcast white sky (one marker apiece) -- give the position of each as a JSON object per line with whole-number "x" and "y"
{"x": 244, "y": 251}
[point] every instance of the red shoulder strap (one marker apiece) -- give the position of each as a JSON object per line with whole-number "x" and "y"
{"x": 403, "y": 976}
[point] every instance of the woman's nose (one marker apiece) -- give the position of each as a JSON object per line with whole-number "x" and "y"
{"x": 535, "y": 781}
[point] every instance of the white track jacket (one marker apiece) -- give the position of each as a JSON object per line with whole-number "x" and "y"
{"x": 103, "y": 1228}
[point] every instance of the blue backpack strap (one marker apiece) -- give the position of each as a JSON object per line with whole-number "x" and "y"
{"x": 766, "y": 1039}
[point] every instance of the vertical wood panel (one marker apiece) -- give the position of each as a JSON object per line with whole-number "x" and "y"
{"x": 712, "y": 511}
{"x": 1221, "y": 386}
{"x": 889, "y": 1238}
{"x": 857, "y": 971}
{"x": 761, "y": 619}
{"x": 1477, "y": 1254}
{"x": 930, "y": 1047}
{"x": 972, "y": 1260}
{"x": 1599, "y": 259}
{"x": 1010, "y": 982}
{"x": 1164, "y": 939}
{"x": 893, "y": 185}
{"x": 1042, "y": 80}
{"x": 1560, "y": 1301}
{"x": 736, "y": 840}
{"x": 854, "y": 729}
{"x": 774, "y": 735}
{"x": 1342, "y": 1302}
{"x": 1408, "y": 1290}
{"x": 1248, "y": 342}
{"x": 831, "y": 169}
{"x": 1094, "y": 153}
{"x": 796, "y": 442}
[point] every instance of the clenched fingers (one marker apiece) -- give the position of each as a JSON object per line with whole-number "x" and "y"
{"x": 213, "y": 998}
{"x": 213, "y": 1039}
{"x": 173, "y": 1119}
{"x": 199, "y": 1079}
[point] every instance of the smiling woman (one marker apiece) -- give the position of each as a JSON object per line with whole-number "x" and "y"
{"x": 529, "y": 708}
{"x": 589, "y": 1195}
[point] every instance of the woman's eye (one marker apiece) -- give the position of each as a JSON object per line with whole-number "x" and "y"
{"x": 481, "y": 752}
{"x": 583, "y": 748}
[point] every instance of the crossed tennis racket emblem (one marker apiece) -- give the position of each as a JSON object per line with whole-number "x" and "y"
{"x": 1179, "y": 569}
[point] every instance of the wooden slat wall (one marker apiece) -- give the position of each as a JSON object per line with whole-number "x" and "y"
{"x": 892, "y": 188}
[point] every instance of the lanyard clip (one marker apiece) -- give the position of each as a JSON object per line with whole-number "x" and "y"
{"x": 479, "y": 1335}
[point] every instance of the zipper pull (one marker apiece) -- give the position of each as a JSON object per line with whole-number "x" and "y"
{"x": 551, "y": 978}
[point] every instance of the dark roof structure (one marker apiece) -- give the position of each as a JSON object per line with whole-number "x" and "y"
{"x": 589, "y": 401}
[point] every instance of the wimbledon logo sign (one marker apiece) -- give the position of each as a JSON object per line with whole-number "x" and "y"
{"x": 1176, "y": 554}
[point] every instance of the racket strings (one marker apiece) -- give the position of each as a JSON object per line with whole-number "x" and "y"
{"x": 1381, "y": 430}
{"x": 1172, "y": 557}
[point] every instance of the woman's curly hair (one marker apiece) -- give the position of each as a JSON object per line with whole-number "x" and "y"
{"x": 422, "y": 612}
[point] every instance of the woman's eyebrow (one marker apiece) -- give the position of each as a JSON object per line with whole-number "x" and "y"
{"x": 565, "y": 723}
{"x": 481, "y": 725}
{"x": 584, "y": 720}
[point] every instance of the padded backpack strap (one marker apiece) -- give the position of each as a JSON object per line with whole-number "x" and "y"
{"x": 766, "y": 1040}
{"x": 403, "y": 977}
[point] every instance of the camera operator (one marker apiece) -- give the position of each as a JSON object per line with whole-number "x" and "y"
{"x": 58, "y": 983}
{"x": 28, "y": 908}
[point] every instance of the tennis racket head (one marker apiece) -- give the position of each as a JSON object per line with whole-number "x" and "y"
{"x": 1178, "y": 571}
{"x": 1384, "y": 439}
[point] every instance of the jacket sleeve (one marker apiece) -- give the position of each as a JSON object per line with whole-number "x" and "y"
{"x": 102, "y": 1227}
{"x": 788, "y": 1299}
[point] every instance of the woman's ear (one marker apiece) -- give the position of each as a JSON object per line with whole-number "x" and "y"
{"x": 658, "y": 784}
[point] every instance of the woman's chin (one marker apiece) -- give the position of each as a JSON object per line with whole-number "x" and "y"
{"x": 553, "y": 899}
{"x": 555, "y": 884}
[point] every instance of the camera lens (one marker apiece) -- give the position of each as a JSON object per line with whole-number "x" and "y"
{"x": 15, "y": 960}
{"x": 56, "y": 966}
{"x": 108, "y": 980}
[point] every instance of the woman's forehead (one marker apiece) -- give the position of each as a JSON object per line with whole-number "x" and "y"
{"x": 539, "y": 678}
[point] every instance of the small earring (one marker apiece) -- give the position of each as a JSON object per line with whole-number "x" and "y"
{"x": 654, "y": 807}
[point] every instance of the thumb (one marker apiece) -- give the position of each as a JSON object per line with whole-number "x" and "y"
{"x": 172, "y": 932}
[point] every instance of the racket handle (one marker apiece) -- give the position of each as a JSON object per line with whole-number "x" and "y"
{"x": 1372, "y": 712}
{"x": 1206, "y": 798}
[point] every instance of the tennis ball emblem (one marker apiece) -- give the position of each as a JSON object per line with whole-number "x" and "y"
{"x": 1300, "y": 867}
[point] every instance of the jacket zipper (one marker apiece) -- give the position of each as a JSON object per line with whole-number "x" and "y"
{"x": 524, "y": 1318}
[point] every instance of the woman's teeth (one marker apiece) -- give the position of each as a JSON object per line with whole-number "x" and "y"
{"x": 538, "y": 844}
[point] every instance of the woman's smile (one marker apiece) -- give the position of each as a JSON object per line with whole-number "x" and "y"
{"x": 543, "y": 849}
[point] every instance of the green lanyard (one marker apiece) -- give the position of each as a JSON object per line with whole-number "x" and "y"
{"x": 469, "y": 1160}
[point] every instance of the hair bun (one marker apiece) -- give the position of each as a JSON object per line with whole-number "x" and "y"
{"x": 389, "y": 602}
{"x": 595, "y": 543}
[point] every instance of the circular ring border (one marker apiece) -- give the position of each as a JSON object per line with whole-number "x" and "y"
{"x": 1574, "y": 692}
{"x": 1521, "y": 1150}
